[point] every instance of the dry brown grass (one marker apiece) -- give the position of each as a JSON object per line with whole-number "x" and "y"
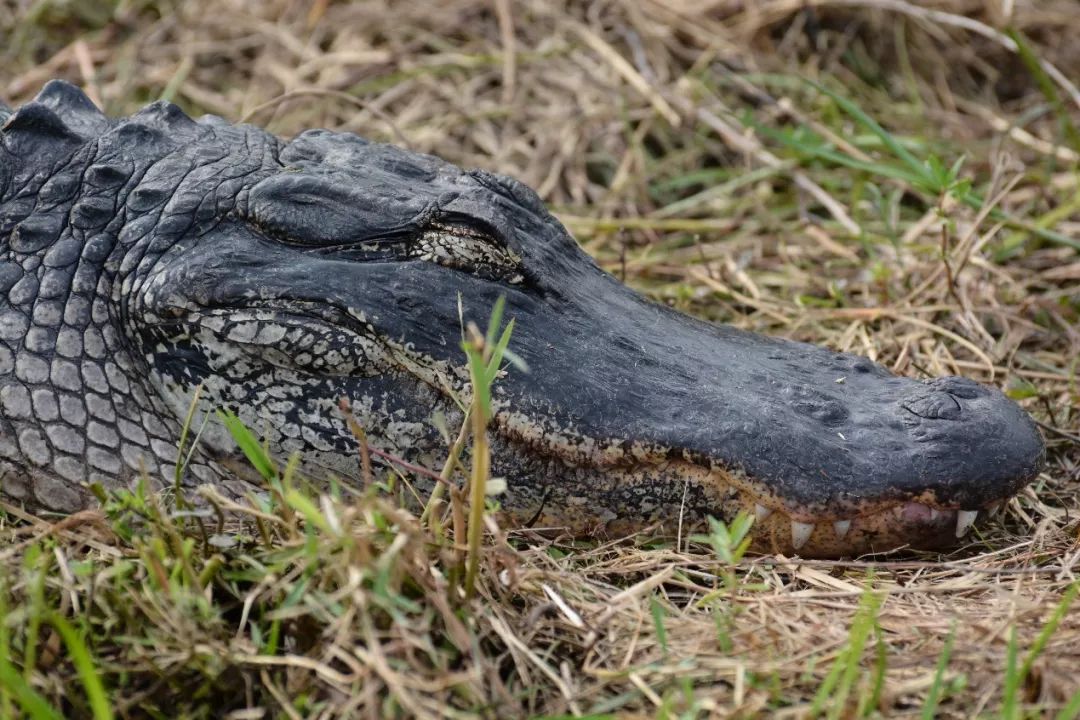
{"x": 630, "y": 119}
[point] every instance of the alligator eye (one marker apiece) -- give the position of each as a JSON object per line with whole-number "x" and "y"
{"x": 374, "y": 220}
{"x": 464, "y": 248}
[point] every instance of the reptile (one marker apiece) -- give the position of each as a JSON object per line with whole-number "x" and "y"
{"x": 147, "y": 256}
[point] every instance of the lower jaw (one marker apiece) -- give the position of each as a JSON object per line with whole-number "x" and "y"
{"x": 672, "y": 499}
{"x": 777, "y": 534}
{"x": 906, "y": 526}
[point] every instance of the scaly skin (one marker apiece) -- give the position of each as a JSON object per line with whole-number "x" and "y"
{"x": 141, "y": 257}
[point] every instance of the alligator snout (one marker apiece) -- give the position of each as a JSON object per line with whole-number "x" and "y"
{"x": 972, "y": 435}
{"x": 949, "y": 450}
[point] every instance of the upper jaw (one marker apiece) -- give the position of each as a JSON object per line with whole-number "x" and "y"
{"x": 867, "y": 460}
{"x": 949, "y": 443}
{"x": 826, "y": 432}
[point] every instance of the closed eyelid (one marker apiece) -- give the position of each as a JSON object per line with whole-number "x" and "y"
{"x": 316, "y": 210}
{"x": 456, "y": 246}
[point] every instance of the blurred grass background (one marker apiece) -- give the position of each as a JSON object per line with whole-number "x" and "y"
{"x": 893, "y": 178}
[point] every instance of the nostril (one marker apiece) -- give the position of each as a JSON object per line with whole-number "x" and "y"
{"x": 933, "y": 405}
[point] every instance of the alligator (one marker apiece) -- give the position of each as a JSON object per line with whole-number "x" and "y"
{"x": 146, "y": 257}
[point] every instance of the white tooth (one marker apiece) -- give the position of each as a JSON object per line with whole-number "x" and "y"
{"x": 800, "y": 533}
{"x": 841, "y": 527}
{"x": 934, "y": 514}
{"x": 761, "y": 512}
{"x": 964, "y": 520}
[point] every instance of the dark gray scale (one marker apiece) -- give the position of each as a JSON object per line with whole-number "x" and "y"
{"x": 144, "y": 257}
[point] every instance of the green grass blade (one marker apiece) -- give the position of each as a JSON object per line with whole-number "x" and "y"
{"x": 248, "y": 444}
{"x": 1011, "y": 221}
{"x": 84, "y": 665}
{"x": 481, "y": 386}
{"x": 936, "y": 689}
{"x": 857, "y": 114}
{"x": 309, "y": 510}
{"x": 1071, "y": 711}
{"x": 860, "y": 633}
{"x": 495, "y": 321}
{"x": 825, "y": 152}
{"x": 1048, "y": 630}
{"x": 825, "y": 691}
{"x": 837, "y": 685}
{"x": 185, "y": 430}
{"x": 658, "y": 615}
{"x": 33, "y": 704}
{"x": 1011, "y": 685}
{"x": 38, "y": 563}
{"x": 1045, "y": 84}
{"x": 502, "y": 352}
{"x": 877, "y": 681}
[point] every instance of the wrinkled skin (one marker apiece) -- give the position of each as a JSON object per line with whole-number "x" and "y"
{"x": 144, "y": 256}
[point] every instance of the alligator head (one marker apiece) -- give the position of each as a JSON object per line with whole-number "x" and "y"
{"x": 146, "y": 256}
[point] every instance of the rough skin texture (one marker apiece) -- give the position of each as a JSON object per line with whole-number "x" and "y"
{"x": 141, "y": 257}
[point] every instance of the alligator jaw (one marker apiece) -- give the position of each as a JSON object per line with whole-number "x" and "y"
{"x": 697, "y": 492}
